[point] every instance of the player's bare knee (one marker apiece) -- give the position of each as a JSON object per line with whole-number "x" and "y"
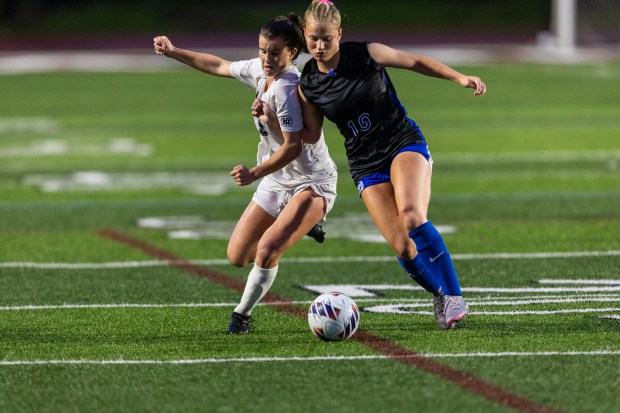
{"x": 404, "y": 248}
{"x": 267, "y": 256}
{"x": 236, "y": 259}
{"x": 235, "y": 262}
{"x": 412, "y": 216}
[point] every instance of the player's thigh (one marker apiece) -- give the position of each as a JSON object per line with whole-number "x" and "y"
{"x": 411, "y": 177}
{"x": 299, "y": 215}
{"x": 250, "y": 228}
{"x": 381, "y": 204}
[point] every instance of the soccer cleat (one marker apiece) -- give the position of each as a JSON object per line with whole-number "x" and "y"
{"x": 239, "y": 323}
{"x": 455, "y": 309}
{"x": 438, "y": 309}
{"x": 317, "y": 233}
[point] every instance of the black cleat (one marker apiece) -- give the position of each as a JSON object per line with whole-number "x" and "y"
{"x": 239, "y": 323}
{"x": 317, "y": 233}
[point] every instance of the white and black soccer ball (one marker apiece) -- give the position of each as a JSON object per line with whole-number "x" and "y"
{"x": 333, "y": 317}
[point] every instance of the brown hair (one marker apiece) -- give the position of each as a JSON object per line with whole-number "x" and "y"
{"x": 323, "y": 11}
{"x": 289, "y": 28}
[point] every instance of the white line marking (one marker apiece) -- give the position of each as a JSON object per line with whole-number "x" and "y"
{"x": 56, "y": 147}
{"x": 303, "y": 359}
{"x": 542, "y": 289}
{"x": 546, "y": 301}
{"x": 83, "y": 266}
{"x": 482, "y": 300}
{"x": 401, "y": 302}
{"x": 106, "y": 306}
{"x": 578, "y": 281}
{"x": 533, "y": 255}
{"x": 508, "y": 302}
{"x": 201, "y": 183}
{"x": 538, "y": 157}
{"x": 528, "y": 312}
{"x": 305, "y": 260}
{"x": 370, "y": 290}
{"x": 479, "y": 301}
{"x": 23, "y": 125}
{"x": 613, "y": 317}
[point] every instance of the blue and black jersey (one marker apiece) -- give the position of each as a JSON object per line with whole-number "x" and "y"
{"x": 358, "y": 96}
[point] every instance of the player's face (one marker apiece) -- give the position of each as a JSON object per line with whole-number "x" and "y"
{"x": 275, "y": 55}
{"x": 323, "y": 40}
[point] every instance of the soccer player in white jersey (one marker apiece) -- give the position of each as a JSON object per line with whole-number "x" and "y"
{"x": 298, "y": 186}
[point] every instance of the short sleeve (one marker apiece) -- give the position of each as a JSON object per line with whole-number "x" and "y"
{"x": 287, "y": 104}
{"x": 247, "y": 71}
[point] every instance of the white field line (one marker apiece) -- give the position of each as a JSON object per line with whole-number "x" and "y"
{"x": 541, "y": 290}
{"x": 528, "y": 312}
{"x": 418, "y": 302}
{"x": 306, "y": 260}
{"x": 484, "y": 300}
{"x": 371, "y": 290}
{"x": 578, "y": 281}
{"x": 538, "y": 157}
{"x": 613, "y": 317}
{"x": 409, "y": 303}
{"x": 478, "y": 303}
{"x": 305, "y": 359}
{"x": 111, "y": 306}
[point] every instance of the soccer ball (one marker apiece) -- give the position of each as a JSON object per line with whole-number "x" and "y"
{"x": 333, "y": 317}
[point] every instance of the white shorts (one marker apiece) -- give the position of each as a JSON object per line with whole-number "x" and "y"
{"x": 273, "y": 196}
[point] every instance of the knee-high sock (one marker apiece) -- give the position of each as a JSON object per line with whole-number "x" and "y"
{"x": 421, "y": 274}
{"x": 258, "y": 283}
{"x": 436, "y": 256}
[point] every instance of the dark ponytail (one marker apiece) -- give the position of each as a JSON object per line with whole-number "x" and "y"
{"x": 289, "y": 28}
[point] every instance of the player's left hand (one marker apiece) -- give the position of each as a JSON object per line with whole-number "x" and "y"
{"x": 475, "y": 83}
{"x": 242, "y": 175}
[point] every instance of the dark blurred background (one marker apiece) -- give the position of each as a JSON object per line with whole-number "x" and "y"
{"x": 76, "y": 24}
{"x": 91, "y": 16}
{"x": 26, "y": 22}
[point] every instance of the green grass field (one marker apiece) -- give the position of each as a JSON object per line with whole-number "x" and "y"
{"x": 526, "y": 188}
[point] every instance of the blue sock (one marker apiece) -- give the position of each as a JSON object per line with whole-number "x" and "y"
{"x": 421, "y": 274}
{"x": 433, "y": 250}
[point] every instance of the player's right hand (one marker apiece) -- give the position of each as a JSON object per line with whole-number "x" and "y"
{"x": 264, "y": 113}
{"x": 257, "y": 108}
{"x": 162, "y": 45}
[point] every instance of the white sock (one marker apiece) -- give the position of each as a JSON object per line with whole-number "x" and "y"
{"x": 258, "y": 283}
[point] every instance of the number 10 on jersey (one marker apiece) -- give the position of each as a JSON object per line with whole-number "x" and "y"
{"x": 363, "y": 124}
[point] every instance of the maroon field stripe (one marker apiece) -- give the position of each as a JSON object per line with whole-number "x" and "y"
{"x": 462, "y": 379}
{"x": 187, "y": 266}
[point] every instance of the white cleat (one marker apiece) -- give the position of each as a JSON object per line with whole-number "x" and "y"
{"x": 455, "y": 309}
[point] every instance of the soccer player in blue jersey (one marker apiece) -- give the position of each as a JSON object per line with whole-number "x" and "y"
{"x": 387, "y": 153}
{"x": 298, "y": 180}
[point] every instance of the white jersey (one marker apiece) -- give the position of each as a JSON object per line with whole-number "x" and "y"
{"x": 314, "y": 163}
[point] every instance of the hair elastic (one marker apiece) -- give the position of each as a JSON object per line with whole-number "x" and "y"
{"x": 326, "y": 2}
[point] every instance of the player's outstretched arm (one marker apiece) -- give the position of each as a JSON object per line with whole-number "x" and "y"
{"x": 389, "y": 57}
{"x": 204, "y": 62}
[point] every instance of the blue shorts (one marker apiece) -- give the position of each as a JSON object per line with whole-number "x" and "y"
{"x": 383, "y": 175}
